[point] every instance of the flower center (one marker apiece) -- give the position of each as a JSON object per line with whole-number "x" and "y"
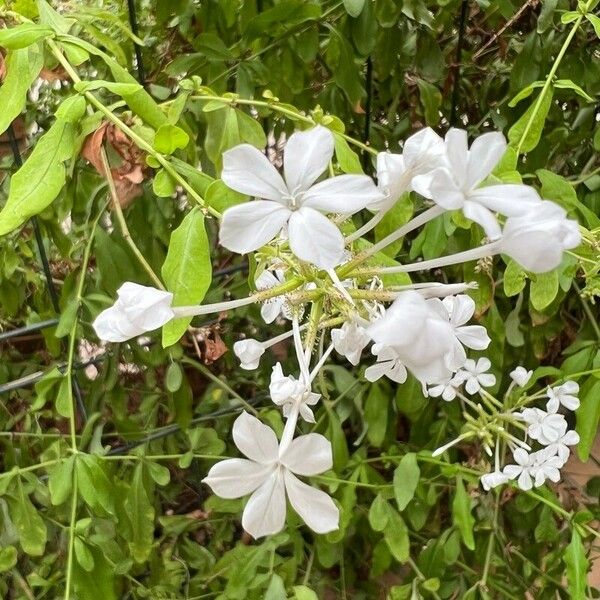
{"x": 294, "y": 198}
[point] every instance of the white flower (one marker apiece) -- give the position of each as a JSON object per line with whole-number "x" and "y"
{"x": 138, "y": 309}
{"x": 494, "y": 479}
{"x": 268, "y": 474}
{"x": 274, "y": 307}
{"x": 521, "y": 376}
{"x": 458, "y": 310}
{"x": 545, "y": 427}
{"x": 422, "y": 340}
{"x": 249, "y": 352}
{"x": 287, "y": 392}
{"x": 456, "y": 186}
{"x": 294, "y": 202}
{"x": 565, "y": 394}
{"x": 446, "y": 389}
{"x": 422, "y": 152}
{"x": 561, "y": 446}
{"x": 350, "y": 340}
{"x": 388, "y": 364}
{"x": 537, "y": 466}
{"x": 475, "y": 376}
{"x": 538, "y": 238}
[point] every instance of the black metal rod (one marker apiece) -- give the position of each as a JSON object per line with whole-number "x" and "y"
{"x": 138, "y": 51}
{"x": 7, "y": 335}
{"x": 368, "y": 108}
{"x": 457, "y": 68}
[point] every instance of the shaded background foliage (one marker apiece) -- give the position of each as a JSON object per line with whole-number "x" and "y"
{"x": 411, "y": 527}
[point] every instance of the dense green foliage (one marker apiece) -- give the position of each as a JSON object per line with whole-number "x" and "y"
{"x": 100, "y": 497}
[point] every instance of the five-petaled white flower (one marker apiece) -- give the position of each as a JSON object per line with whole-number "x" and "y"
{"x": 561, "y": 446}
{"x": 537, "y": 238}
{"x": 521, "y": 376}
{"x": 137, "y": 310}
{"x": 456, "y": 186}
{"x": 458, "y": 310}
{"x": 350, "y": 340}
{"x": 545, "y": 427}
{"x": 533, "y": 468}
{"x": 296, "y": 202}
{"x": 475, "y": 375}
{"x": 422, "y": 152}
{"x": 565, "y": 394}
{"x": 388, "y": 364}
{"x": 287, "y": 392}
{"x": 269, "y": 474}
{"x": 446, "y": 389}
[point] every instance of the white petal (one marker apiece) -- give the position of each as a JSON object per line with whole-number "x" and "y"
{"x": 377, "y": 371}
{"x": 442, "y": 189}
{"x": 264, "y": 513}
{"x": 111, "y": 325}
{"x": 473, "y": 336}
{"x": 512, "y": 471}
{"x": 485, "y": 153}
{"x": 248, "y": 171}
{"x": 507, "y": 199}
{"x": 472, "y": 386}
{"x": 484, "y": 217}
{"x": 314, "y": 506}
{"x": 570, "y": 402}
{"x": 306, "y": 156}
{"x": 422, "y": 149}
{"x": 246, "y": 227}
{"x": 255, "y": 439}
{"x": 308, "y": 454}
{"x": 487, "y": 379}
{"x": 570, "y": 438}
{"x": 315, "y": 239}
{"x": 344, "y": 194}
{"x": 236, "y": 477}
{"x": 521, "y": 457}
{"x": 524, "y": 481}
{"x": 270, "y": 310}
{"x": 457, "y": 150}
{"x": 461, "y": 308}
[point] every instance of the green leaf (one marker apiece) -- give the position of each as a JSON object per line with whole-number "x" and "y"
{"x": 514, "y": 278}
{"x": 22, "y": 68}
{"x": 64, "y": 399}
{"x": 8, "y": 558}
{"x": 354, "y": 7}
{"x": 163, "y": 185}
{"x": 173, "y": 377}
{"x": 170, "y": 138}
{"x": 301, "y": 592}
{"x": 567, "y": 84}
{"x": 543, "y": 289}
{"x": 577, "y": 567}
{"x": 595, "y": 21}
{"x": 23, "y": 35}
{"x": 52, "y": 18}
{"x": 99, "y": 585}
{"x": 221, "y": 197}
{"x": 346, "y": 157}
{"x": 346, "y": 74}
{"x": 398, "y": 215}
{"x": 187, "y": 270}
{"x": 379, "y": 513}
{"x": 461, "y": 514}
{"x": 431, "y": 99}
{"x": 29, "y": 523}
{"x": 276, "y": 589}
{"x": 159, "y": 473}
{"x": 588, "y": 418}
{"x": 196, "y": 178}
{"x": 93, "y": 483}
{"x": 525, "y": 93}
{"x": 83, "y": 555}
{"x": 290, "y": 12}
{"x": 120, "y": 89}
{"x": 406, "y": 479}
{"x": 526, "y": 135}
{"x": 396, "y": 537}
{"x": 141, "y": 516}
{"x": 60, "y": 481}
{"x": 39, "y": 181}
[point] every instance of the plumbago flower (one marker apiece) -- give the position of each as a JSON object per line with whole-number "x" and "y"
{"x": 295, "y": 203}
{"x": 269, "y": 474}
{"x": 331, "y": 290}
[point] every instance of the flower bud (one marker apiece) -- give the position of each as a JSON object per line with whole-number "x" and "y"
{"x": 249, "y": 352}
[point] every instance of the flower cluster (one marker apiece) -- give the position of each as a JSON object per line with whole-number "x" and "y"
{"x": 330, "y": 287}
